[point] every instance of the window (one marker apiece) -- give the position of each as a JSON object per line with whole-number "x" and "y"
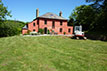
{"x": 33, "y": 24}
{"x": 60, "y": 29}
{"x": 60, "y": 22}
{"x": 33, "y": 30}
{"x": 53, "y": 24}
{"x": 69, "y": 30}
{"x": 45, "y": 21}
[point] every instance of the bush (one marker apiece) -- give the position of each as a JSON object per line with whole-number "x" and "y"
{"x": 28, "y": 32}
{"x": 48, "y": 32}
{"x": 10, "y": 27}
{"x": 7, "y": 29}
{"x": 64, "y": 33}
{"x": 41, "y": 31}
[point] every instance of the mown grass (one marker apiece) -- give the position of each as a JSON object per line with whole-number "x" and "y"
{"x": 52, "y": 53}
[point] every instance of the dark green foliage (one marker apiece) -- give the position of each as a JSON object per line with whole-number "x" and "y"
{"x": 10, "y": 28}
{"x": 64, "y": 33}
{"x": 96, "y": 3}
{"x": 100, "y": 22}
{"x": 83, "y": 15}
{"x": 70, "y": 21}
{"x": 7, "y": 29}
{"x": 41, "y": 31}
{"x": 48, "y": 32}
{"x": 91, "y": 17}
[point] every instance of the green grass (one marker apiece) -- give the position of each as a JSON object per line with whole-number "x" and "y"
{"x": 52, "y": 53}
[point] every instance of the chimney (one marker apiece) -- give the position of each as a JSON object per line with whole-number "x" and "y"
{"x": 60, "y": 14}
{"x": 37, "y": 12}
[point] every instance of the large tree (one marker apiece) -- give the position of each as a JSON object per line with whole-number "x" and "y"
{"x": 3, "y": 11}
{"x": 70, "y": 21}
{"x": 83, "y": 15}
{"x": 101, "y": 9}
{"x": 91, "y": 17}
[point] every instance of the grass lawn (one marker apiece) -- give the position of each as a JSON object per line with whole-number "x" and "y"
{"x": 52, "y": 53}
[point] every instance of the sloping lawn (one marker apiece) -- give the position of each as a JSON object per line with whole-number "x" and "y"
{"x": 52, "y": 53}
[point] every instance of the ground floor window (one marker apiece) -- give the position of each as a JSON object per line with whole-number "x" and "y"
{"x": 60, "y": 29}
{"x": 33, "y": 30}
{"x": 69, "y": 30}
{"x": 53, "y": 24}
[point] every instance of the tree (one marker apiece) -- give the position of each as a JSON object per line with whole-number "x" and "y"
{"x": 70, "y": 21}
{"x": 101, "y": 9}
{"x": 91, "y": 17}
{"x": 11, "y": 28}
{"x": 3, "y": 11}
{"x": 83, "y": 15}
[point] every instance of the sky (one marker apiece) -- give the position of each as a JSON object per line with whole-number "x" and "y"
{"x": 25, "y": 10}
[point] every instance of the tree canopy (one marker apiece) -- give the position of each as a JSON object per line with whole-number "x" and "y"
{"x": 3, "y": 11}
{"x": 83, "y": 15}
{"x": 91, "y": 17}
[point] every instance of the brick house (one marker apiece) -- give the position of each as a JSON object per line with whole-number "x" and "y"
{"x": 49, "y": 22}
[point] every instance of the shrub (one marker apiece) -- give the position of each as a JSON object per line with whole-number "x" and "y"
{"x": 48, "y": 32}
{"x": 34, "y": 33}
{"x": 28, "y": 32}
{"x": 52, "y": 31}
{"x": 64, "y": 33}
{"x": 7, "y": 29}
{"x": 10, "y": 27}
{"x": 41, "y": 31}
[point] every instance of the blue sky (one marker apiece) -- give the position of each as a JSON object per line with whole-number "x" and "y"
{"x": 25, "y": 10}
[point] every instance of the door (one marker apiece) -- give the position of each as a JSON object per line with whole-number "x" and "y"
{"x": 45, "y": 30}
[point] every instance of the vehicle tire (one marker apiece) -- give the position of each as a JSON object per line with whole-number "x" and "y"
{"x": 77, "y": 37}
{"x": 85, "y": 38}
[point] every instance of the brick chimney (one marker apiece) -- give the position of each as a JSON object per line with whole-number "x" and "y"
{"x": 37, "y": 12}
{"x": 60, "y": 14}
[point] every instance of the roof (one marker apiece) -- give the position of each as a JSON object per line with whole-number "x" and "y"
{"x": 52, "y": 16}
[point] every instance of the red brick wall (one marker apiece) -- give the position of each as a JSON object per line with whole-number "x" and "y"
{"x": 42, "y": 25}
{"x": 31, "y": 27}
{"x": 57, "y": 26}
{"x": 24, "y": 31}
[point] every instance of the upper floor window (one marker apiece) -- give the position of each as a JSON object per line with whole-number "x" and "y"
{"x": 69, "y": 30}
{"x": 60, "y": 22}
{"x": 45, "y": 21}
{"x": 53, "y": 24}
{"x": 38, "y": 21}
{"x": 33, "y": 24}
{"x": 60, "y": 29}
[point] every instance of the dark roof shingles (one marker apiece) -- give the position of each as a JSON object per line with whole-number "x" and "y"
{"x": 52, "y": 16}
